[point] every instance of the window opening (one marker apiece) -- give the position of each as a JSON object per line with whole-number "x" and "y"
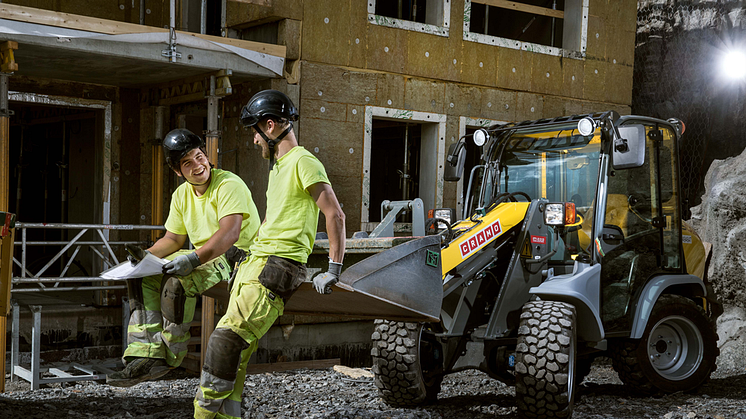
{"x": 429, "y": 16}
{"x": 395, "y": 164}
{"x": 543, "y": 27}
{"x": 555, "y": 27}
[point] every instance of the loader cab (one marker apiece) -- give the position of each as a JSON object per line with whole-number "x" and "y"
{"x": 621, "y": 174}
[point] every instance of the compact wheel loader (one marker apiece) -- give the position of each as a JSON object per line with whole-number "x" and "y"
{"x": 571, "y": 246}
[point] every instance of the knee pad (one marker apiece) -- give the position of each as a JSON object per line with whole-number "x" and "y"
{"x": 134, "y": 294}
{"x": 173, "y": 298}
{"x": 224, "y": 354}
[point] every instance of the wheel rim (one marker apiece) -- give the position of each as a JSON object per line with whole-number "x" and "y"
{"x": 675, "y": 348}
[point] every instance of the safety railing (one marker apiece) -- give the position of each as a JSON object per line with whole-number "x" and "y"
{"x": 102, "y": 249}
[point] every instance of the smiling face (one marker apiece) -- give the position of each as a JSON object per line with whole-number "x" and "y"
{"x": 195, "y": 167}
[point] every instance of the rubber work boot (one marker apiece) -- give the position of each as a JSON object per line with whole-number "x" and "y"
{"x": 137, "y": 371}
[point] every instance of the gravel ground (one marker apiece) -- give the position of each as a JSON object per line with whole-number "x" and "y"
{"x": 329, "y": 394}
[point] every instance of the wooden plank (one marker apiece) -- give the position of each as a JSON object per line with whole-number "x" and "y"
{"x": 317, "y": 364}
{"x": 526, "y": 8}
{"x": 208, "y": 325}
{"x": 113, "y": 27}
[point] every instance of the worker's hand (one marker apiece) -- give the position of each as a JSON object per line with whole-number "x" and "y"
{"x": 182, "y": 264}
{"x": 323, "y": 282}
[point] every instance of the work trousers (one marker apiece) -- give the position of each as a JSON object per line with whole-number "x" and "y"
{"x": 150, "y": 334}
{"x": 251, "y": 312}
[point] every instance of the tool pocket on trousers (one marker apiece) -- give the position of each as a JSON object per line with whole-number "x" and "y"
{"x": 282, "y": 276}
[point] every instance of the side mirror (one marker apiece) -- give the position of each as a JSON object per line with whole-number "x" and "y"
{"x": 455, "y": 162}
{"x": 628, "y": 150}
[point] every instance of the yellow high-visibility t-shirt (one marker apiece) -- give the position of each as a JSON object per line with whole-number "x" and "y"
{"x": 292, "y": 214}
{"x": 199, "y": 216}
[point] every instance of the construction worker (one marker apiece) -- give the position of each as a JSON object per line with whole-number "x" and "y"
{"x": 214, "y": 209}
{"x": 298, "y": 187}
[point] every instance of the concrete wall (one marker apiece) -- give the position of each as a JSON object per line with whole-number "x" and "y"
{"x": 347, "y": 64}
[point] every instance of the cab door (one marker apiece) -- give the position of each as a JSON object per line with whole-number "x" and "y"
{"x": 642, "y": 226}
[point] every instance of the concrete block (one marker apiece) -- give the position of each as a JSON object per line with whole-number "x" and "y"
{"x": 529, "y": 106}
{"x": 340, "y": 145}
{"x": 241, "y": 14}
{"x": 356, "y": 114}
{"x": 321, "y": 109}
{"x": 479, "y": 64}
{"x": 596, "y": 47}
{"x": 572, "y": 78}
{"x": 349, "y": 193}
{"x": 325, "y": 33}
{"x": 594, "y": 78}
{"x": 430, "y": 56}
{"x": 514, "y": 69}
{"x": 358, "y": 41}
{"x": 594, "y": 106}
{"x": 574, "y": 107}
{"x": 622, "y": 50}
{"x": 624, "y": 15}
{"x": 546, "y": 74}
{"x": 553, "y": 106}
{"x": 600, "y": 8}
{"x": 387, "y": 49}
{"x": 463, "y": 100}
{"x": 289, "y": 34}
{"x": 337, "y": 84}
{"x": 498, "y": 104}
{"x": 390, "y": 91}
{"x": 425, "y": 95}
{"x": 619, "y": 84}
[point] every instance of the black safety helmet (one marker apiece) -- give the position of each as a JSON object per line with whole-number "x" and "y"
{"x": 268, "y": 103}
{"x": 178, "y": 143}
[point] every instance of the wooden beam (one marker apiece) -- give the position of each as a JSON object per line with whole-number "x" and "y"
{"x": 113, "y": 27}
{"x": 526, "y": 8}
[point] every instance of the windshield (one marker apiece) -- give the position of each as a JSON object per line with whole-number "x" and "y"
{"x": 560, "y": 165}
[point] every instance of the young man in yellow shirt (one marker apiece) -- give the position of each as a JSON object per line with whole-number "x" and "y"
{"x": 214, "y": 209}
{"x": 298, "y": 187}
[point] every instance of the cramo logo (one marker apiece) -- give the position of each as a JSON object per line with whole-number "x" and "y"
{"x": 478, "y": 240}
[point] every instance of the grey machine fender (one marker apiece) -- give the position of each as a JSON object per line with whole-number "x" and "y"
{"x": 581, "y": 289}
{"x": 653, "y": 289}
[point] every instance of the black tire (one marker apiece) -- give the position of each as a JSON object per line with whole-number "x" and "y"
{"x": 407, "y": 363}
{"x": 545, "y": 360}
{"x": 677, "y": 351}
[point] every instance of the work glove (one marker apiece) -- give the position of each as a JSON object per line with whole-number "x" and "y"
{"x": 323, "y": 282}
{"x": 182, "y": 265}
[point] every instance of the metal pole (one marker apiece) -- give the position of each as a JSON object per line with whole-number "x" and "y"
{"x": 15, "y": 335}
{"x": 203, "y": 17}
{"x": 223, "y": 18}
{"x": 35, "y": 346}
{"x": 157, "y": 166}
{"x": 142, "y": 12}
{"x": 212, "y": 135}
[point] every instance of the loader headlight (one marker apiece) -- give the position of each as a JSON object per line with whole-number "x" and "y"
{"x": 559, "y": 214}
{"x": 445, "y": 214}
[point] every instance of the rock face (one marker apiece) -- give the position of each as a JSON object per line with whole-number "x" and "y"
{"x": 721, "y": 220}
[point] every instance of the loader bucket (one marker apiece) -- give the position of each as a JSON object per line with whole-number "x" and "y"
{"x": 402, "y": 283}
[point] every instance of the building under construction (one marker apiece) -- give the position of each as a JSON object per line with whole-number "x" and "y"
{"x": 383, "y": 88}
